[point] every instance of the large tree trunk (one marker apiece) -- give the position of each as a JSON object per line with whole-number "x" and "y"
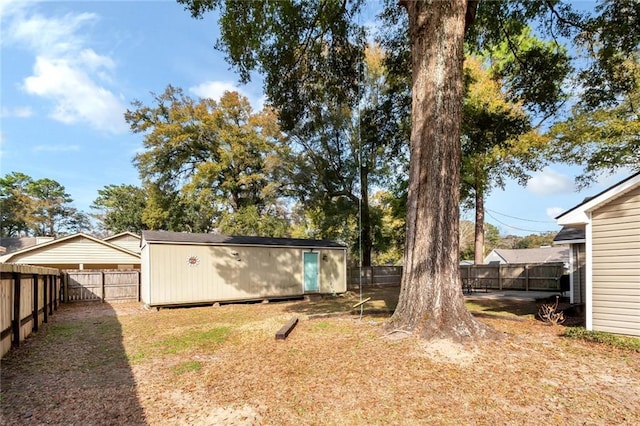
{"x": 431, "y": 301}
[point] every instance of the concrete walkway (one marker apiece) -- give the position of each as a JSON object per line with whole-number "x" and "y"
{"x": 511, "y": 295}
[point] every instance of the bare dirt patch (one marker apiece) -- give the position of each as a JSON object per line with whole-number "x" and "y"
{"x": 121, "y": 364}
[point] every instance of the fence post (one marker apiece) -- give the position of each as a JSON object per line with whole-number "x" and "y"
{"x": 35, "y": 313}
{"x": 500, "y": 276}
{"x": 65, "y": 282}
{"x": 102, "y": 285}
{"x": 57, "y": 292}
{"x": 52, "y": 296}
{"x": 15, "y": 324}
{"x": 45, "y": 298}
{"x": 526, "y": 277}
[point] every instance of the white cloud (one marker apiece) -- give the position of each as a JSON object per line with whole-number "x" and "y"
{"x": 550, "y": 182}
{"x": 55, "y": 148}
{"x": 20, "y": 112}
{"x": 56, "y": 36}
{"x": 10, "y": 8}
{"x": 74, "y": 77}
{"x": 214, "y": 89}
{"x": 553, "y": 212}
{"x": 77, "y": 97}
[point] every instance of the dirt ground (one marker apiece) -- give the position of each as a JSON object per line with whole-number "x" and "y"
{"x": 102, "y": 364}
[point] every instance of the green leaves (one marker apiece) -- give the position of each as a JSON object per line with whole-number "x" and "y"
{"x": 601, "y": 139}
{"x": 121, "y": 208}
{"x": 37, "y": 207}
{"x": 304, "y": 49}
{"x": 206, "y": 159}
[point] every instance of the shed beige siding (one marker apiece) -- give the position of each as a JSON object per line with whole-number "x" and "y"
{"x": 616, "y": 265}
{"x": 74, "y": 252}
{"x": 145, "y": 273}
{"x": 229, "y": 272}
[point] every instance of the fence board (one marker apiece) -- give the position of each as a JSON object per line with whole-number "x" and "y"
{"x": 102, "y": 285}
{"x": 374, "y": 276}
{"x": 544, "y": 276}
{"x": 23, "y": 301}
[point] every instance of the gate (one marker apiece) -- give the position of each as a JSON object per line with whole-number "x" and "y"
{"x": 101, "y": 285}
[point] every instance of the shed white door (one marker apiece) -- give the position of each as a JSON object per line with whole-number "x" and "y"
{"x": 311, "y": 272}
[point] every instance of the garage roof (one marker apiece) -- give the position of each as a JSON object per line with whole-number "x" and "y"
{"x": 167, "y": 237}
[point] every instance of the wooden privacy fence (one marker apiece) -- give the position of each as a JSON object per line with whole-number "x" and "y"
{"x": 28, "y": 296}
{"x": 543, "y": 276}
{"x": 515, "y": 276}
{"x": 374, "y": 276}
{"x": 101, "y": 285}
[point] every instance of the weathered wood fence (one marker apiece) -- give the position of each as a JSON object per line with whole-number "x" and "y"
{"x": 28, "y": 296}
{"x": 110, "y": 285}
{"x": 543, "y": 276}
{"x": 374, "y": 276}
{"x": 516, "y": 276}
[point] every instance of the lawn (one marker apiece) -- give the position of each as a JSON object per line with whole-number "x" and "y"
{"x": 121, "y": 364}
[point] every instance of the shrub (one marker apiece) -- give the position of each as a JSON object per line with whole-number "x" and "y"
{"x": 613, "y": 340}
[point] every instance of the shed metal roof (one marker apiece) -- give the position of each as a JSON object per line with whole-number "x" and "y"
{"x": 167, "y": 237}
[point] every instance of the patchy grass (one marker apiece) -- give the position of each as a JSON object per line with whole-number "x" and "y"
{"x": 600, "y": 337}
{"x": 223, "y": 365}
{"x": 502, "y": 307}
{"x": 63, "y": 331}
{"x": 193, "y": 340}
{"x": 187, "y": 367}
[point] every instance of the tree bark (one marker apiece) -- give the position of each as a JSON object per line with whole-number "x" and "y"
{"x": 431, "y": 301}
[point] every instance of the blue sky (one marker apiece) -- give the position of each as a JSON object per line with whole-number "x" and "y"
{"x": 70, "y": 69}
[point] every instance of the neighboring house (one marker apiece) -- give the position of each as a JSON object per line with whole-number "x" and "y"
{"x": 12, "y": 244}
{"x": 127, "y": 240}
{"x": 185, "y": 268}
{"x": 603, "y": 233}
{"x": 78, "y": 251}
{"x": 531, "y": 255}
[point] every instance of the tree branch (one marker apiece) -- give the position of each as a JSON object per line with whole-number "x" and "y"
{"x": 470, "y": 14}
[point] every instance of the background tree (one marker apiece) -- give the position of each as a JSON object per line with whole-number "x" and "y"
{"x": 52, "y": 213}
{"x": 276, "y": 38}
{"x": 343, "y": 150}
{"x": 600, "y": 131}
{"x": 38, "y": 208}
{"x": 497, "y": 143}
{"x": 602, "y": 138}
{"x": 536, "y": 240}
{"x": 205, "y": 159}
{"x": 120, "y": 208}
{"x": 15, "y": 205}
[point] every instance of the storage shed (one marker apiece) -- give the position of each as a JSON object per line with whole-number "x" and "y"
{"x": 604, "y": 235}
{"x": 188, "y": 269}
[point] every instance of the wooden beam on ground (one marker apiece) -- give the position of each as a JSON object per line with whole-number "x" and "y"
{"x": 362, "y": 302}
{"x": 286, "y": 329}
